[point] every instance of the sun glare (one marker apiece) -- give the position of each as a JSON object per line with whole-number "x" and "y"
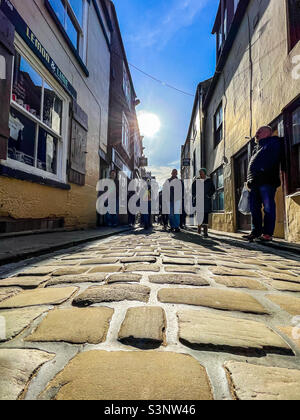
{"x": 149, "y": 124}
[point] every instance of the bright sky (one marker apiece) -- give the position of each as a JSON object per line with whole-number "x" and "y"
{"x": 172, "y": 41}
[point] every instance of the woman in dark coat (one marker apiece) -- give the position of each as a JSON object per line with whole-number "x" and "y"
{"x": 209, "y": 191}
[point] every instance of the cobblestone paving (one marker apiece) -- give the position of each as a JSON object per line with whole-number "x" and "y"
{"x": 156, "y": 316}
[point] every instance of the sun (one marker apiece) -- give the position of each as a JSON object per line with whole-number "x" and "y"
{"x": 149, "y": 124}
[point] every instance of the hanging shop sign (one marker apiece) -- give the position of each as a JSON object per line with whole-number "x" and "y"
{"x": 186, "y": 162}
{"x": 35, "y": 45}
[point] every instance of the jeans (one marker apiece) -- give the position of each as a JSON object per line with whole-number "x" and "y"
{"x": 111, "y": 220}
{"x": 263, "y": 196}
{"x": 174, "y": 218}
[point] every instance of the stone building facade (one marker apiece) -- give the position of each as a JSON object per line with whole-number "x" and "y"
{"x": 55, "y": 111}
{"x": 256, "y": 83}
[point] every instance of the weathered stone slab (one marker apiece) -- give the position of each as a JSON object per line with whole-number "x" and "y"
{"x": 24, "y": 282}
{"x": 106, "y": 269}
{"x": 135, "y": 375}
{"x": 205, "y": 330}
{"x": 7, "y": 292}
{"x": 227, "y": 300}
{"x": 17, "y": 368}
{"x": 147, "y": 254}
{"x": 202, "y": 261}
{"x": 76, "y": 279}
{"x": 70, "y": 271}
{"x": 293, "y": 333}
{"x": 74, "y": 325}
{"x": 231, "y": 264}
{"x": 281, "y": 276}
{"x": 239, "y": 282}
{"x": 124, "y": 278}
{"x": 178, "y": 261}
{"x": 144, "y": 327}
{"x": 184, "y": 279}
{"x": 16, "y": 320}
{"x": 99, "y": 261}
{"x": 289, "y": 304}
{"x": 37, "y": 297}
{"x": 112, "y": 293}
{"x": 38, "y": 271}
{"x": 284, "y": 286}
{"x": 128, "y": 260}
{"x": 253, "y": 382}
{"x": 181, "y": 269}
{"x": 142, "y": 267}
{"x": 226, "y": 271}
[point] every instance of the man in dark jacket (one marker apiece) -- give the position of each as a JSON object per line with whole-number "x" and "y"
{"x": 263, "y": 181}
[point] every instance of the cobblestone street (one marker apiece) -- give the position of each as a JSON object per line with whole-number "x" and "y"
{"x": 152, "y": 317}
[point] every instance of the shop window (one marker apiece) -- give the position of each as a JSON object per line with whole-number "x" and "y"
{"x": 218, "y": 125}
{"x": 70, "y": 14}
{"x": 294, "y": 22}
{"x": 218, "y": 200}
{"x": 35, "y": 120}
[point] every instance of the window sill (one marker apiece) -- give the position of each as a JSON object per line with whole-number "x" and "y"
{"x": 67, "y": 39}
{"x": 29, "y": 177}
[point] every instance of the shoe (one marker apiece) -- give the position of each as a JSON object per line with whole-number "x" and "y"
{"x": 177, "y": 230}
{"x": 266, "y": 238}
{"x": 251, "y": 237}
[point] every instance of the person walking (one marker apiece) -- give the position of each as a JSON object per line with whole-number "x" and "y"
{"x": 175, "y": 202}
{"x": 112, "y": 219}
{"x": 209, "y": 191}
{"x": 263, "y": 180}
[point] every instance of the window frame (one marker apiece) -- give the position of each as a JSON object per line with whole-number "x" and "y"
{"x": 62, "y": 143}
{"x": 291, "y": 42}
{"x": 218, "y": 138}
{"x": 219, "y": 190}
{"x": 81, "y": 49}
{"x": 127, "y": 86}
{"x": 125, "y": 130}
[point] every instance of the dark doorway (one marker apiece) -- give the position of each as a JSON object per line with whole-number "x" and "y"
{"x": 241, "y": 163}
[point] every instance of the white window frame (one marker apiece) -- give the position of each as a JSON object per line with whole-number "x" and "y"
{"x": 82, "y": 29}
{"x": 62, "y": 144}
{"x": 125, "y": 133}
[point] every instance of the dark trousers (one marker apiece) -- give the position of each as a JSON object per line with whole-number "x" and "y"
{"x": 263, "y": 196}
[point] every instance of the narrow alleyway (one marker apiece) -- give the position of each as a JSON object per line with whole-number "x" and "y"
{"x": 152, "y": 317}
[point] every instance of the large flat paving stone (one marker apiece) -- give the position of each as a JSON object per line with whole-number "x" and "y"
{"x": 24, "y": 282}
{"x": 227, "y": 271}
{"x": 39, "y": 271}
{"x": 76, "y": 279}
{"x": 289, "y": 304}
{"x": 183, "y": 279}
{"x": 181, "y": 269}
{"x": 74, "y": 325}
{"x": 106, "y": 269}
{"x": 16, "y": 320}
{"x": 7, "y": 292}
{"x": 239, "y": 282}
{"x": 136, "y": 375}
{"x": 237, "y": 265}
{"x": 284, "y": 286}
{"x": 124, "y": 278}
{"x": 50, "y": 296}
{"x": 143, "y": 327}
{"x": 113, "y": 293}
{"x": 205, "y": 330}
{"x": 17, "y": 367}
{"x": 99, "y": 261}
{"x": 128, "y": 260}
{"x": 213, "y": 298}
{"x": 281, "y": 276}
{"x": 253, "y": 382}
{"x": 142, "y": 268}
{"x": 70, "y": 271}
{"x": 178, "y": 261}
